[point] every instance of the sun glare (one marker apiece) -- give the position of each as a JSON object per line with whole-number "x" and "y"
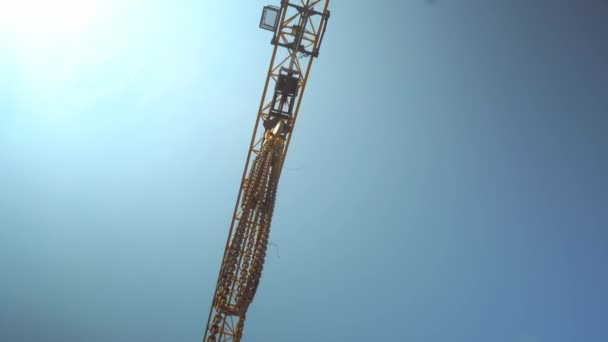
{"x": 44, "y": 42}
{"x": 67, "y": 57}
{"x": 38, "y": 23}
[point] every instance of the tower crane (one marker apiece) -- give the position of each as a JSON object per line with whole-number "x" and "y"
{"x": 298, "y": 28}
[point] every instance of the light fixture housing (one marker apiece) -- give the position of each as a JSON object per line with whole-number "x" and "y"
{"x": 270, "y": 18}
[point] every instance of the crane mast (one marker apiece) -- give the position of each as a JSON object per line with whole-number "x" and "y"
{"x": 298, "y": 28}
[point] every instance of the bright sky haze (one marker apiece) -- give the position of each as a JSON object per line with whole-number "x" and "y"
{"x": 446, "y": 179}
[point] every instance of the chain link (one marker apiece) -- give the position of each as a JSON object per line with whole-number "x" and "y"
{"x": 242, "y": 269}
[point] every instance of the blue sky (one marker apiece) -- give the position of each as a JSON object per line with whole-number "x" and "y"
{"x": 446, "y": 179}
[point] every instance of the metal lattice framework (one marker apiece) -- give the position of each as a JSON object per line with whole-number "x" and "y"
{"x": 297, "y": 38}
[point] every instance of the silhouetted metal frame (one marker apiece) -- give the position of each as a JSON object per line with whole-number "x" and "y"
{"x": 282, "y": 55}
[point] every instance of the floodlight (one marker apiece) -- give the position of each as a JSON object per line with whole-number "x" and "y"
{"x": 270, "y": 18}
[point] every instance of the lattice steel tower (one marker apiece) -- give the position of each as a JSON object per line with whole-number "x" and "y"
{"x": 298, "y": 28}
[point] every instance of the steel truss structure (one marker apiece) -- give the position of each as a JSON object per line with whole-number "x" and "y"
{"x": 298, "y": 29}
